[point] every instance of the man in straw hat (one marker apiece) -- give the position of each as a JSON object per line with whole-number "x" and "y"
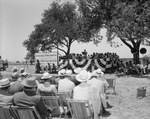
{"x": 66, "y": 85}
{"x": 45, "y": 87}
{"x": 5, "y": 86}
{"x": 27, "y": 97}
{"x": 81, "y": 92}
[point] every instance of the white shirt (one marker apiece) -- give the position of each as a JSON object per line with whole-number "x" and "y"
{"x": 100, "y": 86}
{"x": 47, "y": 87}
{"x": 98, "y": 83}
{"x": 82, "y": 92}
{"x": 66, "y": 85}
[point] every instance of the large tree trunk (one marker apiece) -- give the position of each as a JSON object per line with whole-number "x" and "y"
{"x": 136, "y": 54}
{"x": 136, "y": 58}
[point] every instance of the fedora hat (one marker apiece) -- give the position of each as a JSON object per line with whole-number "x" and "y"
{"x": 46, "y": 75}
{"x": 83, "y": 76}
{"x": 62, "y": 72}
{"x": 99, "y": 71}
{"x": 30, "y": 82}
{"x": 25, "y": 74}
{"x": 22, "y": 70}
{"x": 78, "y": 70}
{"x": 4, "y": 83}
{"x": 68, "y": 73}
{"x": 14, "y": 69}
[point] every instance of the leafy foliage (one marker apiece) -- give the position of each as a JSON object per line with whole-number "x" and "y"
{"x": 59, "y": 28}
{"x": 128, "y": 20}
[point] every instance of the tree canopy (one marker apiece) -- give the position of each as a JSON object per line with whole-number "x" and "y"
{"x": 127, "y": 20}
{"x": 59, "y": 28}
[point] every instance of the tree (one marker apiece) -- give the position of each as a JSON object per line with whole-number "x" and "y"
{"x": 127, "y": 20}
{"x": 59, "y": 28}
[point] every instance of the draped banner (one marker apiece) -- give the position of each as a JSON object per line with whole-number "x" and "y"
{"x": 108, "y": 63}
{"x": 101, "y": 63}
{"x": 64, "y": 65}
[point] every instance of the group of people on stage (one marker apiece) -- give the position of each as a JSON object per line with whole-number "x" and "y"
{"x": 27, "y": 90}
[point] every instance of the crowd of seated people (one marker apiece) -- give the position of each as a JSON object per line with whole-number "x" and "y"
{"x": 27, "y": 90}
{"x": 130, "y": 68}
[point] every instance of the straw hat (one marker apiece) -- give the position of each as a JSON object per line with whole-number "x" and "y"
{"x": 99, "y": 71}
{"x": 46, "y": 75}
{"x": 30, "y": 82}
{"x": 68, "y": 72}
{"x": 78, "y": 70}
{"x": 14, "y": 69}
{"x": 62, "y": 72}
{"x": 83, "y": 76}
{"x": 25, "y": 74}
{"x": 4, "y": 83}
{"x": 22, "y": 70}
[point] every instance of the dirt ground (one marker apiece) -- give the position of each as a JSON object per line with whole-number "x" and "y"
{"x": 123, "y": 105}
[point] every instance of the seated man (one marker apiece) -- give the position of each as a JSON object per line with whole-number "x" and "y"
{"x": 15, "y": 73}
{"x": 82, "y": 91}
{"x": 65, "y": 84}
{"x": 5, "y": 86}
{"x": 45, "y": 87}
{"x": 16, "y": 86}
{"x": 28, "y": 97}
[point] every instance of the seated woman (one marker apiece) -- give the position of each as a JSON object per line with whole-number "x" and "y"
{"x": 45, "y": 87}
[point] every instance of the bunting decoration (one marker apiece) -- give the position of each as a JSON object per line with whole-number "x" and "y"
{"x": 103, "y": 63}
{"x": 88, "y": 64}
{"x": 108, "y": 63}
{"x": 100, "y": 63}
{"x": 63, "y": 65}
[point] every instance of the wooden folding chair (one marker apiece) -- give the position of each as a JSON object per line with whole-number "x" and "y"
{"x": 80, "y": 109}
{"x": 62, "y": 97}
{"x": 57, "y": 109}
{"x": 112, "y": 84}
{"x": 5, "y": 112}
{"x": 25, "y": 112}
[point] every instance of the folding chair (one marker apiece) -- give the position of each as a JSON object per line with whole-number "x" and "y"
{"x": 80, "y": 109}
{"x": 57, "y": 109}
{"x": 5, "y": 112}
{"x": 25, "y": 112}
{"x": 112, "y": 83}
{"x": 62, "y": 97}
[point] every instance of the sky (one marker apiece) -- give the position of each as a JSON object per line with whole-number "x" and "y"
{"x": 17, "y": 20}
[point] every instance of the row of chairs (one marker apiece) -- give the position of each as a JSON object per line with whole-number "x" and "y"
{"x": 78, "y": 110}
{"x": 60, "y": 106}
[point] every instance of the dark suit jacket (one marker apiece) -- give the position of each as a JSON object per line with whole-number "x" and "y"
{"x": 30, "y": 98}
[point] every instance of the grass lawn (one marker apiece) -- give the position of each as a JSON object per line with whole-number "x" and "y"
{"x": 123, "y": 105}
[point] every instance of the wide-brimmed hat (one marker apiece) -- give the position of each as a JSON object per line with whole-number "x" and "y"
{"x": 30, "y": 82}
{"x": 68, "y": 73}
{"x": 83, "y": 76}
{"x": 99, "y": 71}
{"x": 4, "y": 83}
{"x": 14, "y": 69}
{"x": 78, "y": 70}
{"x": 62, "y": 72}
{"x": 46, "y": 75}
{"x": 22, "y": 70}
{"x": 25, "y": 74}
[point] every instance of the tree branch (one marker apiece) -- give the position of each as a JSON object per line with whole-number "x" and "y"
{"x": 55, "y": 46}
{"x": 126, "y": 43}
